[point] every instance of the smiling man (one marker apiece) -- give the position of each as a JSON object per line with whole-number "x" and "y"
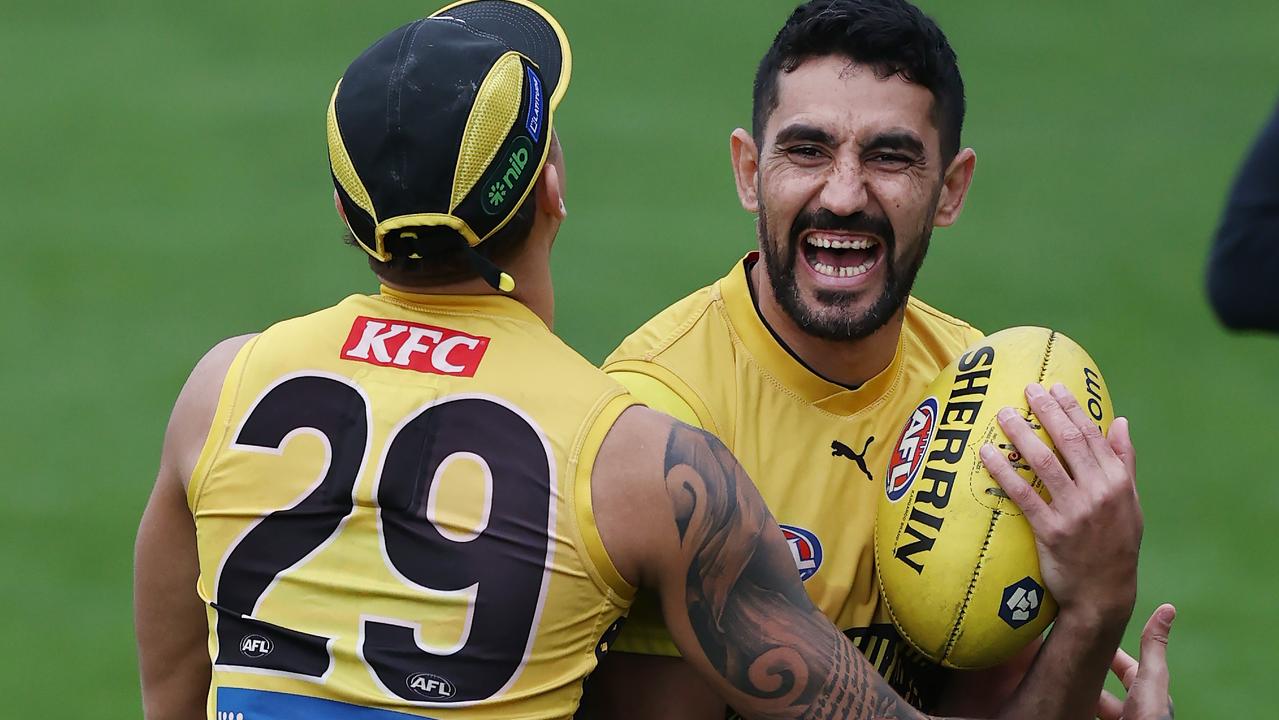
{"x": 807, "y": 357}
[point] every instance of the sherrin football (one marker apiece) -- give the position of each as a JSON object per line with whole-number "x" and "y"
{"x": 956, "y": 559}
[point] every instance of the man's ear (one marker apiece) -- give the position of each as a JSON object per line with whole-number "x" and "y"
{"x": 337, "y": 203}
{"x": 550, "y": 192}
{"x": 745, "y": 157}
{"x": 954, "y": 190}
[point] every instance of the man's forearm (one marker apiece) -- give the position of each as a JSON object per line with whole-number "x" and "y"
{"x": 1068, "y": 673}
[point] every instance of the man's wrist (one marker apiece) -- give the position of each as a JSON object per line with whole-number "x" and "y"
{"x": 1103, "y": 625}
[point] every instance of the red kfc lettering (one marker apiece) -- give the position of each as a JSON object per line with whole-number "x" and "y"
{"x": 413, "y": 346}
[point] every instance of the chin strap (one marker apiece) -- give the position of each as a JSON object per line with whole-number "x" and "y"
{"x": 492, "y": 274}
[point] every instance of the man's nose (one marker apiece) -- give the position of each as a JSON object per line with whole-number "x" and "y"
{"x": 845, "y": 190}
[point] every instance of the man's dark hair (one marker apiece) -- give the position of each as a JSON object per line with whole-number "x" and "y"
{"x": 892, "y": 37}
{"x": 442, "y": 255}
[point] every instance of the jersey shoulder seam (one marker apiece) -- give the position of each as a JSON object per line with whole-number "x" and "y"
{"x": 651, "y": 353}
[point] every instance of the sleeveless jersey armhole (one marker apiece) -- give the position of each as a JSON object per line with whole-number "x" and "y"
{"x": 220, "y": 426}
{"x": 664, "y": 391}
{"x": 590, "y": 545}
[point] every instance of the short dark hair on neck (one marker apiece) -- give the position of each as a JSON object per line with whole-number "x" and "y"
{"x": 442, "y": 260}
{"x": 892, "y": 37}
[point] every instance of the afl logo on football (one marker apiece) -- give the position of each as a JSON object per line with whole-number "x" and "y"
{"x": 256, "y": 646}
{"x": 805, "y": 548}
{"x": 908, "y": 455}
{"x": 432, "y": 687}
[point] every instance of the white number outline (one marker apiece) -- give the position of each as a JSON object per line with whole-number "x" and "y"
{"x": 472, "y": 591}
{"x": 554, "y": 497}
{"x": 324, "y": 471}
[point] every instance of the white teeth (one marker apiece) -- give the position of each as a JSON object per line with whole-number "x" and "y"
{"x": 831, "y": 271}
{"x": 841, "y": 244}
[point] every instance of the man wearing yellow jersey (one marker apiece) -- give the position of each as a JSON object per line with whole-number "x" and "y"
{"x": 807, "y": 357}
{"x": 422, "y": 504}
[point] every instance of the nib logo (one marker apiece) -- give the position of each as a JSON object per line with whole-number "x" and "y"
{"x": 508, "y": 175}
{"x": 497, "y": 193}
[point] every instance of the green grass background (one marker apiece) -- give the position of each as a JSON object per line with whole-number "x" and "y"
{"x": 165, "y": 185}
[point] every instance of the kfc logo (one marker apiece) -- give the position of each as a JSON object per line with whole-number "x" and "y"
{"x": 412, "y": 346}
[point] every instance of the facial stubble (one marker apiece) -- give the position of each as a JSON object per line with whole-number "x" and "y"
{"x": 836, "y": 319}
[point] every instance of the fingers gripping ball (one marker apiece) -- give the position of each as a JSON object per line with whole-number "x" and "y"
{"x": 956, "y": 559}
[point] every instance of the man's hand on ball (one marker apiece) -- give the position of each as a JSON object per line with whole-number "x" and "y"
{"x": 1147, "y": 682}
{"x": 1089, "y": 535}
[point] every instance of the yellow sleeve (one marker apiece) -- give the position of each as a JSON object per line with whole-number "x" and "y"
{"x": 657, "y": 395}
{"x": 644, "y": 632}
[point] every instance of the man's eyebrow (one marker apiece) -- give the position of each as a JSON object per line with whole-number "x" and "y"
{"x": 801, "y": 132}
{"x": 895, "y": 140}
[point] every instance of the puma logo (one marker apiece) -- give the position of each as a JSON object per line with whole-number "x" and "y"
{"x": 839, "y": 449}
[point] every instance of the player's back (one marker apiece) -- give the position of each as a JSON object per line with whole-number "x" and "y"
{"x": 393, "y": 515}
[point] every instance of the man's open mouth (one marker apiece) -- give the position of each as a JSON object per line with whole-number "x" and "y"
{"x": 839, "y": 255}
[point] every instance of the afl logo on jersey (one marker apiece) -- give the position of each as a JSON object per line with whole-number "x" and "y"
{"x": 908, "y": 455}
{"x": 805, "y": 548}
{"x": 256, "y": 646}
{"x": 432, "y": 687}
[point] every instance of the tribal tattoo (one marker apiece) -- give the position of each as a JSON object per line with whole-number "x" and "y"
{"x": 746, "y": 605}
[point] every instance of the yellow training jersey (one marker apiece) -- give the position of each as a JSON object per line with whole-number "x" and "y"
{"x": 817, "y": 451}
{"x": 393, "y": 516}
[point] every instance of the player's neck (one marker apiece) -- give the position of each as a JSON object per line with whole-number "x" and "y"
{"x": 844, "y": 362}
{"x": 533, "y": 287}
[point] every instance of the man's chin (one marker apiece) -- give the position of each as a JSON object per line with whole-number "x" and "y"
{"x": 833, "y": 321}
{"x": 836, "y": 301}
{"x": 842, "y": 314}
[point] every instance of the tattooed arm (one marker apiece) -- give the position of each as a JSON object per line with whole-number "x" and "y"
{"x": 677, "y": 513}
{"x": 740, "y": 580}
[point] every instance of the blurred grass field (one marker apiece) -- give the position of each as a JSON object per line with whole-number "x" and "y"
{"x": 166, "y": 186}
